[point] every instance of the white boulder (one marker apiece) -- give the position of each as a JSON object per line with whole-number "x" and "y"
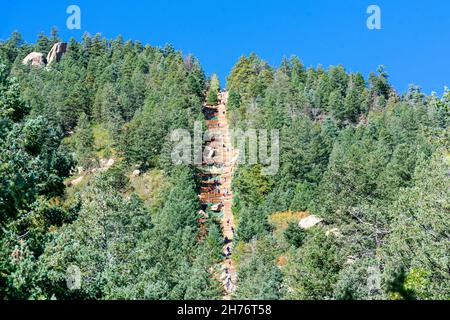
{"x": 36, "y": 59}
{"x": 309, "y": 222}
{"x": 136, "y": 173}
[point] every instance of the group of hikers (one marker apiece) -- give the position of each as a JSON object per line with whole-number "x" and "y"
{"x": 227, "y": 242}
{"x": 228, "y": 280}
{"x": 219, "y": 189}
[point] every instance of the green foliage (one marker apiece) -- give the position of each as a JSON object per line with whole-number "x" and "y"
{"x": 355, "y": 280}
{"x": 251, "y": 188}
{"x": 379, "y": 83}
{"x": 105, "y": 98}
{"x": 10, "y": 49}
{"x": 294, "y": 235}
{"x": 84, "y": 141}
{"x": 303, "y": 197}
{"x": 250, "y": 76}
{"x": 214, "y": 242}
{"x": 176, "y": 265}
{"x": 420, "y": 247}
{"x": 250, "y": 182}
{"x": 32, "y": 170}
{"x": 313, "y": 270}
{"x": 12, "y": 106}
{"x": 259, "y": 277}
{"x": 31, "y": 165}
{"x": 371, "y": 163}
{"x": 101, "y": 243}
{"x": 172, "y": 103}
{"x": 214, "y": 87}
{"x": 350, "y": 152}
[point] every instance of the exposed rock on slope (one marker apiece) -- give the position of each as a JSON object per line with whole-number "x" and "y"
{"x": 309, "y": 222}
{"x": 36, "y": 59}
{"x": 56, "y": 52}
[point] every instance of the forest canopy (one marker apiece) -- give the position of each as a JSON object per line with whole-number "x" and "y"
{"x": 132, "y": 238}
{"x": 370, "y": 163}
{"x": 87, "y": 181}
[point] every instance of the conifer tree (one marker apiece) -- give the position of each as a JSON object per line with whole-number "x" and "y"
{"x": 84, "y": 141}
{"x": 214, "y": 88}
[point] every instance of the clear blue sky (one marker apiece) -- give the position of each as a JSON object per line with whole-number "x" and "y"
{"x": 414, "y": 43}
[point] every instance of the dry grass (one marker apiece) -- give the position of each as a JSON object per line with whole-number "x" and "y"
{"x": 282, "y": 261}
{"x": 147, "y": 185}
{"x": 280, "y": 220}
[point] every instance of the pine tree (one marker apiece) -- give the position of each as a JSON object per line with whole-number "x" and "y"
{"x": 43, "y": 44}
{"x": 337, "y": 106}
{"x": 54, "y": 35}
{"x": 84, "y": 140}
{"x": 214, "y": 88}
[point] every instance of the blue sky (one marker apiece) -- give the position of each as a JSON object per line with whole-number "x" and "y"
{"x": 414, "y": 42}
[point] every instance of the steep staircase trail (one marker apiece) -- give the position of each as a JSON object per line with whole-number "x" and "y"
{"x": 216, "y": 188}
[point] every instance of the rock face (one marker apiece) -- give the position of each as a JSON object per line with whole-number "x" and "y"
{"x": 105, "y": 165}
{"x": 309, "y": 222}
{"x": 36, "y": 59}
{"x": 136, "y": 173}
{"x": 56, "y": 52}
{"x": 76, "y": 181}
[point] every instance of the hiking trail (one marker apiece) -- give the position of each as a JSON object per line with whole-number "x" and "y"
{"x": 216, "y": 193}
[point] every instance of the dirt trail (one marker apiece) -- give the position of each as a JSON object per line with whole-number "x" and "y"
{"x": 216, "y": 189}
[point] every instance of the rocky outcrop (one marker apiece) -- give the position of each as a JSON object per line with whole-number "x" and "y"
{"x": 36, "y": 59}
{"x": 136, "y": 173}
{"x": 56, "y": 52}
{"x": 75, "y": 182}
{"x": 309, "y": 222}
{"x": 105, "y": 165}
